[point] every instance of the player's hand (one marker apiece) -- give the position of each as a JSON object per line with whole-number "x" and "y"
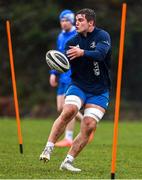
{"x": 53, "y": 80}
{"x": 74, "y": 52}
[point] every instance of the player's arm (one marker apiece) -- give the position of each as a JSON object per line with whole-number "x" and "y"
{"x": 71, "y": 50}
{"x": 102, "y": 47}
{"x": 74, "y": 52}
{"x": 53, "y": 78}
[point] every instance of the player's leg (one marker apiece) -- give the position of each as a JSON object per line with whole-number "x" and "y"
{"x": 61, "y": 96}
{"x": 92, "y": 114}
{"x": 88, "y": 125}
{"x": 60, "y": 102}
{"x": 79, "y": 117}
{"x": 68, "y": 139}
{"x": 72, "y": 104}
{"x": 68, "y": 113}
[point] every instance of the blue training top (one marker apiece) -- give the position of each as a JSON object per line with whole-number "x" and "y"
{"x": 91, "y": 71}
{"x": 62, "y": 39}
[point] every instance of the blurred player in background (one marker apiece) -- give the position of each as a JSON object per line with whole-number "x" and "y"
{"x": 63, "y": 80}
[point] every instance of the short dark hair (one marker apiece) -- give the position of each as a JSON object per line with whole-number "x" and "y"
{"x": 90, "y": 14}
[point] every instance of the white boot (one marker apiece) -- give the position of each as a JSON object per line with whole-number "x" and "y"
{"x": 45, "y": 155}
{"x": 67, "y": 165}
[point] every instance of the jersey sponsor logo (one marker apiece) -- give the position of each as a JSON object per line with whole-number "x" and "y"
{"x": 93, "y": 44}
{"x": 77, "y": 45}
{"x": 106, "y": 42}
{"x": 96, "y": 68}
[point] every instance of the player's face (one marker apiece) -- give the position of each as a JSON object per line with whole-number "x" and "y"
{"x": 82, "y": 24}
{"x": 65, "y": 24}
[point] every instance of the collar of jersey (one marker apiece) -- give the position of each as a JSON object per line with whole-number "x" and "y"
{"x": 89, "y": 34}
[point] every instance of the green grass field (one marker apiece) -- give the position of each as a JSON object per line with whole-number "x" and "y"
{"x": 95, "y": 160}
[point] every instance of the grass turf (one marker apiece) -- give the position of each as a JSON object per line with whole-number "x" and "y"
{"x": 94, "y": 160}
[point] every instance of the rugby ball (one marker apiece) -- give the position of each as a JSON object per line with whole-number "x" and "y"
{"x": 57, "y": 61}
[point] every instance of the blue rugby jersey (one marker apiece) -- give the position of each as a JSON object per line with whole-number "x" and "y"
{"x": 91, "y": 71}
{"x": 63, "y": 37}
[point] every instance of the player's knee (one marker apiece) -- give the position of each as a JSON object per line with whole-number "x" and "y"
{"x": 90, "y": 124}
{"x": 69, "y": 112}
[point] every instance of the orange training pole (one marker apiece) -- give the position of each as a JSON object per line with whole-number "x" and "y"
{"x": 14, "y": 85}
{"x": 118, "y": 90}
